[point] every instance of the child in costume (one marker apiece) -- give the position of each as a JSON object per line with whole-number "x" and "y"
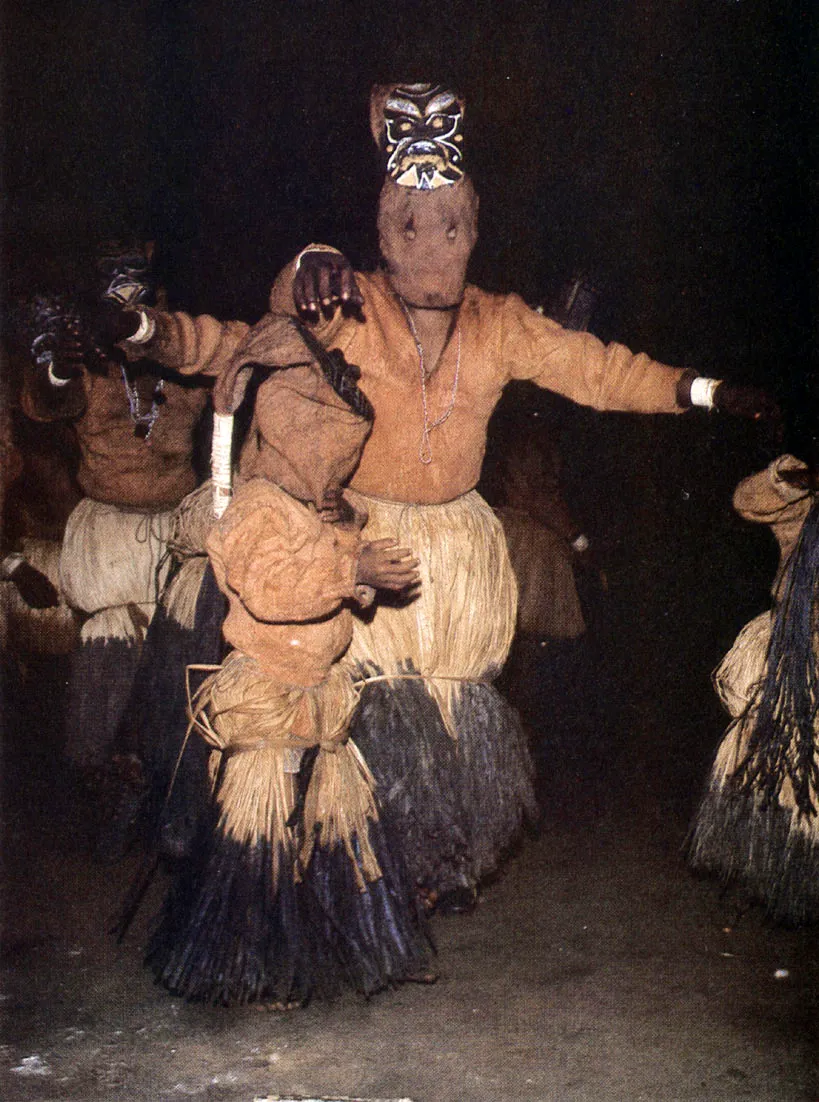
{"x": 758, "y": 823}
{"x": 295, "y": 889}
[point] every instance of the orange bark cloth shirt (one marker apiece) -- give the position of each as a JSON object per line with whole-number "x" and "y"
{"x": 500, "y": 339}
{"x": 116, "y": 466}
{"x": 289, "y": 579}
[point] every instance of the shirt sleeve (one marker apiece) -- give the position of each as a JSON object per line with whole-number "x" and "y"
{"x": 281, "y": 561}
{"x": 581, "y": 367}
{"x": 190, "y": 345}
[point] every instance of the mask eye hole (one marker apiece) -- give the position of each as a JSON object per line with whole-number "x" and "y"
{"x": 452, "y": 232}
{"x": 409, "y": 229}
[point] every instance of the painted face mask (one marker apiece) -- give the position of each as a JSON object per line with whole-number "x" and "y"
{"x": 426, "y": 239}
{"x": 418, "y": 127}
{"x": 126, "y": 274}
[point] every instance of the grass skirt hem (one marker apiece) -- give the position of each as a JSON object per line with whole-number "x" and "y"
{"x": 458, "y": 803}
{"x": 233, "y": 932}
{"x": 762, "y": 850}
{"x": 100, "y": 681}
{"x": 153, "y": 727}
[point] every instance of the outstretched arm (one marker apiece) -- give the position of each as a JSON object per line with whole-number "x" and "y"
{"x": 610, "y": 376}
{"x": 190, "y": 345}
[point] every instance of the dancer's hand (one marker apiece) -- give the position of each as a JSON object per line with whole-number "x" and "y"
{"x": 59, "y": 351}
{"x": 751, "y": 402}
{"x": 385, "y": 565}
{"x": 34, "y": 587}
{"x": 109, "y": 325}
{"x": 325, "y": 280}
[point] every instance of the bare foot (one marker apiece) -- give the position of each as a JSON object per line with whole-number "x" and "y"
{"x": 423, "y": 975}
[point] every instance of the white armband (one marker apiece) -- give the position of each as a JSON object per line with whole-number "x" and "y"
{"x": 55, "y": 380}
{"x": 146, "y": 331}
{"x": 364, "y": 594}
{"x": 702, "y": 391}
{"x": 220, "y": 462}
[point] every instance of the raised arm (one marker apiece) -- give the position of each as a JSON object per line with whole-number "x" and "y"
{"x": 189, "y": 345}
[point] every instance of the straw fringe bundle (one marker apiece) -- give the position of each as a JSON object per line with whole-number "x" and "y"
{"x": 181, "y": 594}
{"x": 733, "y": 751}
{"x": 189, "y": 526}
{"x": 767, "y": 845}
{"x": 237, "y": 927}
{"x": 739, "y": 675}
{"x": 339, "y": 807}
{"x": 241, "y": 712}
{"x": 759, "y": 819}
{"x": 461, "y": 624}
{"x": 192, "y": 520}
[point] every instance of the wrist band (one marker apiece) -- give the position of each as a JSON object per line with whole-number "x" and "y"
{"x": 702, "y": 391}
{"x": 10, "y": 564}
{"x": 581, "y": 543}
{"x": 316, "y": 249}
{"x": 55, "y": 380}
{"x": 220, "y": 466}
{"x": 147, "y": 328}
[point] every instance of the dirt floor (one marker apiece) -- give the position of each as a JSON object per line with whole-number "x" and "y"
{"x": 595, "y": 967}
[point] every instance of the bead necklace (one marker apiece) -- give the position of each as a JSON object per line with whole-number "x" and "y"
{"x": 143, "y": 422}
{"x": 425, "y": 451}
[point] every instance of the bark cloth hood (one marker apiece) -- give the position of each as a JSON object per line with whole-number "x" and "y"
{"x": 426, "y": 239}
{"x": 310, "y": 420}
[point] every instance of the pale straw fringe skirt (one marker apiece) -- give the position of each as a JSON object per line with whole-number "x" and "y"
{"x": 769, "y": 848}
{"x": 112, "y": 558}
{"x": 461, "y": 625}
{"x": 738, "y": 679}
{"x": 449, "y": 754}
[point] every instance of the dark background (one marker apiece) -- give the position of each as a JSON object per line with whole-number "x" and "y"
{"x": 666, "y": 148}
